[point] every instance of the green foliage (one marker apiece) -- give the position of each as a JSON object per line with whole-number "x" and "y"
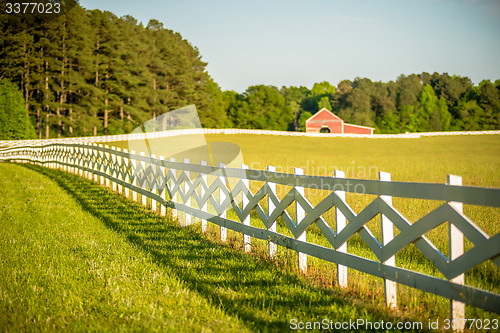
{"x": 261, "y": 107}
{"x": 14, "y": 118}
{"x": 411, "y": 121}
{"x": 388, "y": 123}
{"x": 413, "y": 103}
{"x": 470, "y": 115}
{"x": 450, "y": 88}
{"x": 294, "y": 99}
{"x": 302, "y": 120}
{"x": 323, "y": 88}
{"x": 444, "y": 116}
{"x": 324, "y": 102}
{"x": 82, "y": 74}
{"x": 428, "y": 109}
{"x": 213, "y": 113}
{"x": 320, "y": 97}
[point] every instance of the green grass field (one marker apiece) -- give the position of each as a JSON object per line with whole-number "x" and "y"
{"x": 233, "y": 291}
{"x": 428, "y": 159}
{"x": 77, "y": 257}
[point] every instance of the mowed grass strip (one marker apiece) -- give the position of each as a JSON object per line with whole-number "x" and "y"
{"x": 62, "y": 268}
{"x": 77, "y": 256}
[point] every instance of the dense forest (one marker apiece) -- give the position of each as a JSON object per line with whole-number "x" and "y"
{"x": 88, "y": 72}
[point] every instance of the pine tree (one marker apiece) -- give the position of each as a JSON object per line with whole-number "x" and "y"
{"x": 14, "y": 118}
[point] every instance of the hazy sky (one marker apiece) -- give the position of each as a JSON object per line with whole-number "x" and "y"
{"x": 302, "y": 42}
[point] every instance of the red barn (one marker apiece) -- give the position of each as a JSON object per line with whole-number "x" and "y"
{"x": 326, "y": 122}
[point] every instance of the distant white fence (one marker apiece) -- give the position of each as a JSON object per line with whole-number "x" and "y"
{"x": 200, "y": 131}
{"x": 203, "y": 192}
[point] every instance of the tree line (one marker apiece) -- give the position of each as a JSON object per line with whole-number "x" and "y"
{"x": 414, "y": 103}
{"x": 14, "y": 119}
{"x": 89, "y": 72}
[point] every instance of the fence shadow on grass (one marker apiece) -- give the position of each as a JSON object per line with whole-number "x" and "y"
{"x": 263, "y": 296}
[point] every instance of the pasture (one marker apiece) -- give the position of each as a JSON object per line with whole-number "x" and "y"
{"x": 78, "y": 257}
{"x": 428, "y": 159}
{"x": 474, "y": 158}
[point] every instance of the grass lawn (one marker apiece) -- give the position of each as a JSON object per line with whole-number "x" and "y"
{"x": 428, "y": 159}
{"x": 75, "y": 256}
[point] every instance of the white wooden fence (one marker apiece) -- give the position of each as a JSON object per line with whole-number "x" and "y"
{"x": 202, "y": 192}
{"x": 229, "y": 131}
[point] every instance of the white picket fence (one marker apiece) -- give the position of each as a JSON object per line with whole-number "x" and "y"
{"x": 229, "y": 131}
{"x": 203, "y": 192}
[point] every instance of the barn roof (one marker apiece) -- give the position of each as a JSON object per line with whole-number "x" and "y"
{"x": 324, "y": 112}
{"x": 326, "y": 116}
{"x": 346, "y": 124}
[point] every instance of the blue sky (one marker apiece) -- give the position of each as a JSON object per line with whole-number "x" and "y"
{"x": 302, "y": 42}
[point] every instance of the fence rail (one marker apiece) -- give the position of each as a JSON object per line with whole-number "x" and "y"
{"x": 204, "y": 192}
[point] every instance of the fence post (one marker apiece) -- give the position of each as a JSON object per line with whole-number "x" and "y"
{"x": 270, "y": 209}
{"x": 135, "y": 183}
{"x": 126, "y": 177}
{"x": 90, "y": 152}
{"x": 80, "y": 161}
{"x": 187, "y": 216}
{"x": 387, "y": 236}
{"x": 154, "y": 188}
{"x": 73, "y": 160}
{"x": 163, "y": 208}
{"x": 87, "y": 162}
{"x": 222, "y": 197}
{"x": 176, "y": 195}
{"x": 456, "y": 249}
{"x": 68, "y": 159}
{"x": 84, "y": 161}
{"x": 202, "y": 193}
{"x": 103, "y": 167}
{"x": 56, "y": 157}
{"x": 95, "y": 167}
{"x": 143, "y": 180}
{"x": 64, "y": 158}
{"x": 51, "y": 157}
{"x": 301, "y": 214}
{"x": 247, "y": 240}
{"x": 119, "y": 161}
{"x": 76, "y": 160}
{"x": 340, "y": 223}
{"x": 113, "y": 171}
